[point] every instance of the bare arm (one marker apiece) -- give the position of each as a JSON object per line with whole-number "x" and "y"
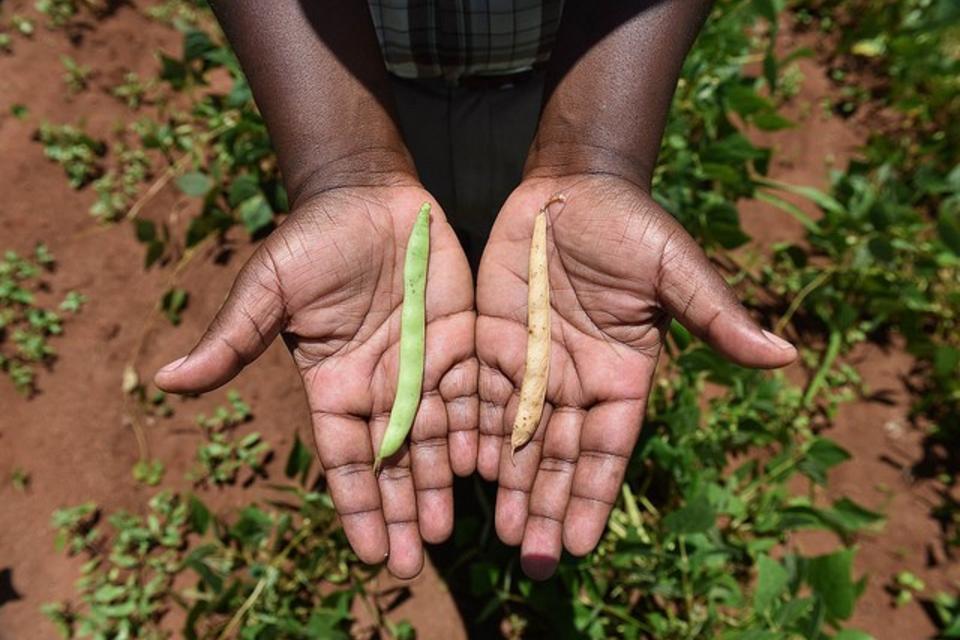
{"x": 330, "y": 278}
{"x": 620, "y": 268}
{"x": 318, "y": 78}
{"x": 609, "y": 85}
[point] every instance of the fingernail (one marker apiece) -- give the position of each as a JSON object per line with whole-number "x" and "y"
{"x": 776, "y": 340}
{"x": 173, "y": 365}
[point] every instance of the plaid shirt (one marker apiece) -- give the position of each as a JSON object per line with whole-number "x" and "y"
{"x": 454, "y": 38}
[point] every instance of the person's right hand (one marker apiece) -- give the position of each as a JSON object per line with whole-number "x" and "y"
{"x": 330, "y": 278}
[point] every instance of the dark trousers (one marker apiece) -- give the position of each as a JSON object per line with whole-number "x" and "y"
{"x": 469, "y": 144}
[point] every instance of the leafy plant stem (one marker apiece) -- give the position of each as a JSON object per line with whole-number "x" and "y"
{"x": 787, "y": 207}
{"x": 242, "y": 611}
{"x": 258, "y": 589}
{"x": 169, "y": 174}
{"x": 833, "y": 350}
{"x": 157, "y": 186}
{"x": 811, "y": 286}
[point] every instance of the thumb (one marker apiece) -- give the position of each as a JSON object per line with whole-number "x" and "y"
{"x": 250, "y": 318}
{"x": 695, "y": 294}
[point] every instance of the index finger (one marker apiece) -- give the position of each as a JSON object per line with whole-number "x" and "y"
{"x": 343, "y": 443}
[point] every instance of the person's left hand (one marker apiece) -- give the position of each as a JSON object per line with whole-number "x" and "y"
{"x": 619, "y": 268}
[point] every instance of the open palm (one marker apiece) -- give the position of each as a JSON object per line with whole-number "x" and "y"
{"x": 330, "y": 279}
{"x": 620, "y": 267}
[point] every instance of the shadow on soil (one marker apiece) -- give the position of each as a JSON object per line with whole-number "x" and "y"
{"x": 8, "y": 593}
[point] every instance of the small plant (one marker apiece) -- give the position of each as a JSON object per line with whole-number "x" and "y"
{"x": 25, "y": 324}
{"x": 173, "y": 302}
{"x": 221, "y": 457}
{"x": 73, "y": 302}
{"x": 133, "y": 90}
{"x": 125, "y": 582}
{"x": 75, "y": 76}
{"x": 278, "y": 571}
{"x": 60, "y": 13}
{"x": 76, "y": 528}
{"x": 117, "y": 188}
{"x": 78, "y": 154}
{"x": 148, "y": 472}
{"x": 946, "y": 608}
{"x": 153, "y": 404}
{"x": 904, "y": 587}
{"x": 23, "y": 25}
{"x": 19, "y": 479}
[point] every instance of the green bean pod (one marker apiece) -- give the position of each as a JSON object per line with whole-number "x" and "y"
{"x": 412, "y": 336}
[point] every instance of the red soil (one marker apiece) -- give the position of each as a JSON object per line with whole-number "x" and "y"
{"x": 74, "y": 438}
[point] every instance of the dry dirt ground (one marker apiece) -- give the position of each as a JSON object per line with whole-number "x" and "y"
{"x": 76, "y": 445}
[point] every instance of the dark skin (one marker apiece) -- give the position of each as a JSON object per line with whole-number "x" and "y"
{"x": 330, "y": 280}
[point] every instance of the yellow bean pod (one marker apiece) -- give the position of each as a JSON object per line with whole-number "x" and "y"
{"x": 533, "y": 389}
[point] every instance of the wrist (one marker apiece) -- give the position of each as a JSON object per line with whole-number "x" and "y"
{"x": 374, "y": 165}
{"x": 556, "y": 158}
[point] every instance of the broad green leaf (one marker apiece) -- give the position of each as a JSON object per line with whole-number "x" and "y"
{"x": 173, "y": 302}
{"x": 745, "y": 100}
{"x": 196, "y": 43}
{"x": 822, "y": 455}
{"x": 772, "y": 579}
{"x": 771, "y": 121}
{"x": 952, "y": 630}
{"x": 108, "y": 593}
{"x": 793, "y": 610}
{"x": 173, "y": 71}
{"x": 195, "y": 184}
{"x": 199, "y": 514}
{"x": 696, "y": 516}
{"x": 830, "y": 578}
{"x": 242, "y": 188}
{"x": 852, "y": 516}
{"x": 255, "y": 213}
{"x": 818, "y": 197}
{"x": 945, "y": 360}
{"x": 252, "y": 526}
{"x": 196, "y": 561}
{"x": 299, "y": 460}
{"x": 211, "y": 221}
{"x": 769, "y": 9}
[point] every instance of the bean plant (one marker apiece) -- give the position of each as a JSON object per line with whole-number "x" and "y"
{"x": 281, "y": 568}
{"x": 26, "y": 325}
{"x": 702, "y": 542}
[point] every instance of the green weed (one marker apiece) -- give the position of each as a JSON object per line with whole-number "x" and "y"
{"x": 25, "y": 327}
{"x": 278, "y": 570}
{"x": 221, "y": 457}
{"x": 75, "y": 76}
{"x": 78, "y": 154}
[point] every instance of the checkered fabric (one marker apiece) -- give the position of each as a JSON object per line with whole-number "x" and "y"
{"x": 455, "y": 38}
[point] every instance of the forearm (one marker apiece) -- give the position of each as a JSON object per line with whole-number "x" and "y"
{"x": 609, "y": 85}
{"x": 318, "y": 78}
